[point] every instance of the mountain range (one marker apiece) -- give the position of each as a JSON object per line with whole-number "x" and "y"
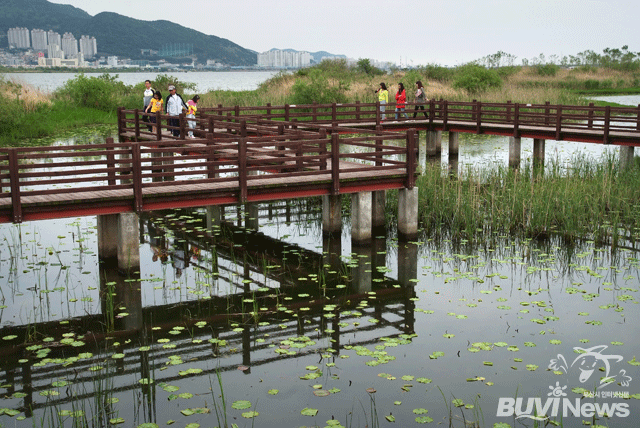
{"x": 116, "y": 34}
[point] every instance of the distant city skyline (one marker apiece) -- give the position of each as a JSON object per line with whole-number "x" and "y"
{"x": 411, "y": 32}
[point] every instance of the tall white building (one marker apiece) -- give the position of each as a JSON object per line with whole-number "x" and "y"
{"x": 284, "y": 59}
{"x": 54, "y": 38}
{"x": 69, "y": 45}
{"x": 54, "y": 51}
{"x": 112, "y": 61}
{"x": 19, "y": 38}
{"x": 39, "y": 39}
{"x": 88, "y": 46}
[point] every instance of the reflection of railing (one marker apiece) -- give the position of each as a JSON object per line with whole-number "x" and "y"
{"x": 618, "y": 125}
{"x": 144, "y": 362}
{"x": 119, "y": 177}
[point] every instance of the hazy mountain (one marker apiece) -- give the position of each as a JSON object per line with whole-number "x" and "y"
{"x": 117, "y": 34}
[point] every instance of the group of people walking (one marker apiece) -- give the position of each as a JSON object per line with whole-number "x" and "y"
{"x": 173, "y": 106}
{"x": 401, "y": 99}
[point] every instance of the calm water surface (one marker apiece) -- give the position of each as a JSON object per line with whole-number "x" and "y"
{"x": 294, "y": 323}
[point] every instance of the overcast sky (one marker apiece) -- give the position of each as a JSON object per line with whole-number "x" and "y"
{"x": 445, "y": 32}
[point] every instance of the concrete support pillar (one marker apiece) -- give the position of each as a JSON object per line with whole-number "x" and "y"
{"x": 538, "y": 152}
{"x": 453, "y": 167}
{"x": 515, "y": 152}
{"x": 434, "y": 143}
{"x": 378, "y": 201}
{"x": 128, "y": 242}
{"x": 107, "y": 228}
{"x": 361, "y": 274}
{"x": 454, "y": 144}
{"x": 421, "y": 147}
{"x": 331, "y": 214}
{"x": 626, "y": 157}
{"x": 361, "y": 217}
{"x": 408, "y": 214}
{"x": 214, "y": 216}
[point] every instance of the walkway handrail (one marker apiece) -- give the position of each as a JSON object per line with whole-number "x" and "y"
{"x": 134, "y": 173}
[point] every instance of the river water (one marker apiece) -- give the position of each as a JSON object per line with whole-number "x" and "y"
{"x": 307, "y": 331}
{"x": 204, "y": 80}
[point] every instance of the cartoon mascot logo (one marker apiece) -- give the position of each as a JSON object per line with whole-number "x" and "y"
{"x": 589, "y": 361}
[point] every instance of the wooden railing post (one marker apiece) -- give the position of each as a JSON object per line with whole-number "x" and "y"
{"x": 445, "y": 115}
{"x": 322, "y": 149}
{"x": 183, "y": 126}
{"x": 137, "y": 177}
{"x": 547, "y": 113}
{"x": 335, "y": 163}
{"x": 638, "y": 117}
{"x": 229, "y": 131}
{"x": 432, "y": 112}
{"x": 136, "y": 119}
{"x": 334, "y": 115}
{"x": 220, "y": 113}
{"x": 158, "y": 125}
{"x": 242, "y": 169}
{"x": 120, "y": 121}
{"x": 607, "y": 124}
{"x": 590, "y": 121}
{"x": 558, "y": 122}
{"x": 211, "y": 125}
{"x": 111, "y": 162}
{"x": 508, "y": 115}
{"x": 212, "y": 168}
{"x": 358, "y": 111}
{"x": 473, "y": 110}
{"x": 286, "y": 112}
{"x": 268, "y": 110}
{"x": 378, "y": 114}
{"x": 478, "y": 117}
{"x": 243, "y": 128}
{"x": 14, "y": 181}
{"x": 411, "y": 159}
{"x": 378, "y": 151}
{"x": 516, "y": 121}
{"x": 237, "y": 113}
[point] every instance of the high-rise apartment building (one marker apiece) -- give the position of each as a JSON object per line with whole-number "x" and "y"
{"x": 54, "y": 51}
{"x": 284, "y": 59}
{"x": 54, "y": 38}
{"x": 19, "y": 38}
{"x": 88, "y": 46}
{"x": 69, "y": 45}
{"x": 39, "y": 39}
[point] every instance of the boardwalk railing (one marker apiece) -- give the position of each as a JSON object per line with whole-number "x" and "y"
{"x": 595, "y": 124}
{"x": 45, "y": 182}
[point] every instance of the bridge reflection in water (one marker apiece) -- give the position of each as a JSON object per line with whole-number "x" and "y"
{"x": 261, "y": 301}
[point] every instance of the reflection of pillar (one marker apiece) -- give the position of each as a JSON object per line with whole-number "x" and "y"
{"x": 246, "y": 348}
{"x": 626, "y": 156}
{"x": 361, "y": 274}
{"x": 214, "y": 216}
{"x": 361, "y": 217}
{"x": 331, "y": 257}
{"x": 331, "y": 214}
{"x": 335, "y": 336}
{"x": 453, "y": 167}
{"x": 408, "y": 271}
{"x": 407, "y": 263}
{"x": 378, "y": 201}
{"x": 27, "y": 389}
{"x": 515, "y": 149}
{"x": 118, "y": 291}
{"x": 408, "y": 213}
{"x": 379, "y": 257}
{"x": 119, "y": 239}
{"x": 251, "y": 219}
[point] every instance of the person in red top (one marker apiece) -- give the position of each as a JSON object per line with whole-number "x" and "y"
{"x": 401, "y": 98}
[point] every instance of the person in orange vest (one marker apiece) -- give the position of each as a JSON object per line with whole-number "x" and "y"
{"x": 192, "y": 108}
{"x": 401, "y": 98}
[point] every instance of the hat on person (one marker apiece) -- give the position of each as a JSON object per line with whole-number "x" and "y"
{"x": 172, "y": 88}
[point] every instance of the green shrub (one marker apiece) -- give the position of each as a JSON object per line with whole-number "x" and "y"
{"x": 476, "y": 79}
{"x": 104, "y": 92}
{"x": 437, "y": 72}
{"x": 546, "y": 69}
{"x": 591, "y": 84}
{"x": 507, "y": 71}
{"x": 316, "y": 87}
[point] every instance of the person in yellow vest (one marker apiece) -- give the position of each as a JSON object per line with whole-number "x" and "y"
{"x": 155, "y": 105}
{"x": 383, "y": 97}
{"x": 192, "y": 108}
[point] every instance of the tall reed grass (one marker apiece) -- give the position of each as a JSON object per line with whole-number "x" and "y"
{"x": 581, "y": 199}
